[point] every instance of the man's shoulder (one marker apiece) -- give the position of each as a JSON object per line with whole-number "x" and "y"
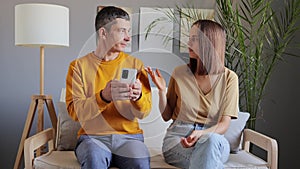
{"x": 130, "y": 57}
{"x": 127, "y": 55}
{"x": 81, "y": 59}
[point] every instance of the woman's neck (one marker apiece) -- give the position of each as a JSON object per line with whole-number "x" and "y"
{"x": 205, "y": 82}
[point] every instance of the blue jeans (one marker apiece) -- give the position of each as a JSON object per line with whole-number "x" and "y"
{"x": 116, "y": 150}
{"x": 210, "y": 151}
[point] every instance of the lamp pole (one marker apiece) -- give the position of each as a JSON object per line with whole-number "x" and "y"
{"x": 42, "y": 52}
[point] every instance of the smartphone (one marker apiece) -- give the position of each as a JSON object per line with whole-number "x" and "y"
{"x": 128, "y": 75}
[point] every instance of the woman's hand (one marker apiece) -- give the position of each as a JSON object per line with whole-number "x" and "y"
{"x": 191, "y": 140}
{"x": 220, "y": 128}
{"x": 157, "y": 78}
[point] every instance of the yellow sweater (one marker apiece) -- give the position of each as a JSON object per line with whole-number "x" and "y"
{"x": 86, "y": 77}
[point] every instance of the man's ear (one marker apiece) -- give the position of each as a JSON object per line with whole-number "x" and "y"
{"x": 102, "y": 33}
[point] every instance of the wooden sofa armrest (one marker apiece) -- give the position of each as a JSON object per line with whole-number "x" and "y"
{"x": 266, "y": 143}
{"x": 36, "y": 141}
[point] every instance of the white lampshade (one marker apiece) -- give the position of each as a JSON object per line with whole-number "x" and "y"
{"x": 41, "y": 25}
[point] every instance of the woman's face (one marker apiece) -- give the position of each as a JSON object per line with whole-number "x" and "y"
{"x": 193, "y": 43}
{"x": 196, "y": 60}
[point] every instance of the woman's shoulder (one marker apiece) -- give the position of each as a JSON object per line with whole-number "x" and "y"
{"x": 181, "y": 69}
{"x": 230, "y": 74}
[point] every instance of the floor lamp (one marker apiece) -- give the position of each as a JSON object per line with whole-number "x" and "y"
{"x": 40, "y": 25}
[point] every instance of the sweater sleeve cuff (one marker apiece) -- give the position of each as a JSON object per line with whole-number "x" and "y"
{"x": 139, "y": 103}
{"x": 100, "y": 100}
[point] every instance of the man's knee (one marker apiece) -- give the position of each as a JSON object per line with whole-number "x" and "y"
{"x": 91, "y": 155}
{"x": 139, "y": 163}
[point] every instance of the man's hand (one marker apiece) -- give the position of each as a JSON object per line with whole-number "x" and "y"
{"x": 116, "y": 90}
{"x": 106, "y": 92}
{"x": 135, "y": 90}
{"x": 120, "y": 91}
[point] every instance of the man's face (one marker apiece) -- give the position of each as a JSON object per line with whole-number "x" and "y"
{"x": 119, "y": 35}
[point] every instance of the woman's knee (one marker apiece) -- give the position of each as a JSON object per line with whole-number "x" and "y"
{"x": 212, "y": 140}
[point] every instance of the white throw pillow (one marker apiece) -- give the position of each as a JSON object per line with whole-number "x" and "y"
{"x": 234, "y": 132}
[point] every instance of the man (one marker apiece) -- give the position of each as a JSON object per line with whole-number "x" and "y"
{"x": 107, "y": 108}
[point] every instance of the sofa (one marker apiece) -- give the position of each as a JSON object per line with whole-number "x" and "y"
{"x": 61, "y": 141}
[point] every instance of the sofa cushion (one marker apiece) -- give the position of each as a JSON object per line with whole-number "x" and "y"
{"x": 57, "y": 160}
{"x": 245, "y": 160}
{"x": 66, "y": 130}
{"x": 67, "y": 160}
{"x": 234, "y": 132}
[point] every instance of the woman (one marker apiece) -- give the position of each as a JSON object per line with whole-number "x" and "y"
{"x": 201, "y": 99}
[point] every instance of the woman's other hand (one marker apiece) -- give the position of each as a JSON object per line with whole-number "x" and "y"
{"x": 191, "y": 140}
